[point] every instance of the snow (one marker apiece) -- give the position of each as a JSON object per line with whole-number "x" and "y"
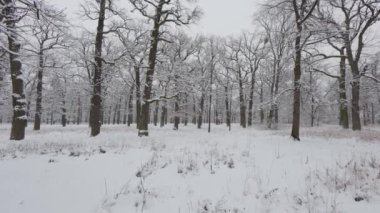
{"x": 22, "y": 101}
{"x": 64, "y": 170}
{"x": 15, "y": 95}
{"x": 23, "y": 117}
